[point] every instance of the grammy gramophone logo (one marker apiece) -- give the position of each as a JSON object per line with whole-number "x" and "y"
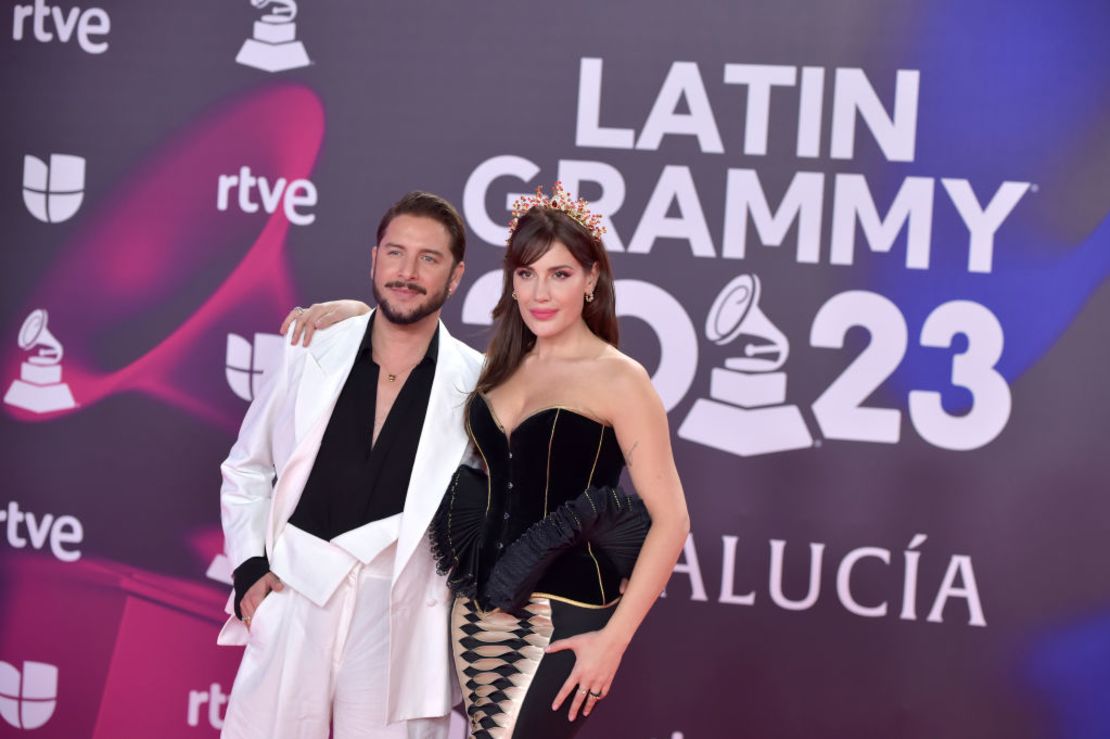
{"x": 39, "y": 388}
{"x": 746, "y": 413}
{"x": 274, "y": 46}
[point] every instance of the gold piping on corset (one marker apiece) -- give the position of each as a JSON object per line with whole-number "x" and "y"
{"x": 589, "y": 482}
{"x": 570, "y": 409}
{"x": 598, "y": 568}
{"x": 597, "y": 455}
{"x": 493, "y": 414}
{"x": 549, "y": 596}
{"x": 489, "y": 479}
{"x": 580, "y": 604}
{"x": 547, "y": 480}
{"x": 561, "y": 407}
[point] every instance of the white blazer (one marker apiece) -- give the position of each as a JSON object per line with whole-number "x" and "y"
{"x": 281, "y": 437}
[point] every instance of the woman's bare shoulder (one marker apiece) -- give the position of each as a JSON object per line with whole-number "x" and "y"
{"x": 618, "y": 380}
{"x": 620, "y": 367}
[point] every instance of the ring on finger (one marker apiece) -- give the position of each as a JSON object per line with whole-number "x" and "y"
{"x": 596, "y": 696}
{"x": 298, "y": 310}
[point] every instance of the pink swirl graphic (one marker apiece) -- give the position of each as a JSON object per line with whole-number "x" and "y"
{"x": 158, "y": 252}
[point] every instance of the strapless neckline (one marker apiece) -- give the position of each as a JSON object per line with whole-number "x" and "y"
{"x": 535, "y": 414}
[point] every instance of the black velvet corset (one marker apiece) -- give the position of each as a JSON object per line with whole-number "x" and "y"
{"x": 548, "y": 518}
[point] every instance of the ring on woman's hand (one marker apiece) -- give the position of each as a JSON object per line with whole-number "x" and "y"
{"x": 582, "y": 690}
{"x": 595, "y": 696}
{"x": 247, "y": 620}
{"x": 298, "y": 310}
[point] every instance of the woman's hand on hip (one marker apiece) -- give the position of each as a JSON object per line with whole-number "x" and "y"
{"x": 597, "y": 655}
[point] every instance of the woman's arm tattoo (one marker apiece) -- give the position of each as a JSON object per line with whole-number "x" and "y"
{"x": 628, "y": 454}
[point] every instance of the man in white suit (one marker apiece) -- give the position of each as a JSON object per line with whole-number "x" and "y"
{"x": 341, "y": 462}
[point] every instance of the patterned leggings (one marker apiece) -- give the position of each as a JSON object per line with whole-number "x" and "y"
{"x": 507, "y": 680}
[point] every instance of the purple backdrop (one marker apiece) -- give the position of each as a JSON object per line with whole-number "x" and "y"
{"x": 862, "y": 248}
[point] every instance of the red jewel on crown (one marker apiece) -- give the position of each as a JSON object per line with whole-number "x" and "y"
{"x": 560, "y": 199}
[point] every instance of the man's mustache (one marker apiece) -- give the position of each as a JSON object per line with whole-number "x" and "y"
{"x": 407, "y": 286}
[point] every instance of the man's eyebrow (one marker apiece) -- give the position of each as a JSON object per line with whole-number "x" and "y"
{"x": 425, "y": 250}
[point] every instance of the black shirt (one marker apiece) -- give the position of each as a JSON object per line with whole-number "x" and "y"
{"x": 354, "y": 481}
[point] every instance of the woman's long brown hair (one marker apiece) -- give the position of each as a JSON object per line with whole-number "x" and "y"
{"x": 536, "y": 232}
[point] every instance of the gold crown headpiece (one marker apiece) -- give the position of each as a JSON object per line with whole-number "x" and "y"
{"x": 561, "y": 200}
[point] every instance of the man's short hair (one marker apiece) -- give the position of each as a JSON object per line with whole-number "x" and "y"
{"x": 427, "y": 205}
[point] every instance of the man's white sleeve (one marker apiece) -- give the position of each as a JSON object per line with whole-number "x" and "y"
{"x": 248, "y": 472}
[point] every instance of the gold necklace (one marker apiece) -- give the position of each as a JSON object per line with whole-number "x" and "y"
{"x": 392, "y": 376}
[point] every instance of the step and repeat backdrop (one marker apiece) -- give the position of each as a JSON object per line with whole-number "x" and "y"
{"x": 862, "y": 248}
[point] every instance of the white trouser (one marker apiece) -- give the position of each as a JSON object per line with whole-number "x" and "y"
{"x": 307, "y": 668}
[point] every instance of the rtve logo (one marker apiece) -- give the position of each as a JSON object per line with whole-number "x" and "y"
{"x": 216, "y": 699}
{"x": 46, "y": 22}
{"x": 57, "y": 531}
{"x": 53, "y": 193}
{"x": 290, "y": 195}
{"x": 27, "y": 700}
{"x": 246, "y": 365}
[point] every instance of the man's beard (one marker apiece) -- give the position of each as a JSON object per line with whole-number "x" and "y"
{"x": 434, "y": 302}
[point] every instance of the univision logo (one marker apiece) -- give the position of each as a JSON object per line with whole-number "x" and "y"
{"x": 247, "y": 364}
{"x": 27, "y": 700}
{"x": 53, "y": 193}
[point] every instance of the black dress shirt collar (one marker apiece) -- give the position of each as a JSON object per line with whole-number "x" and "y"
{"x": 366, "y": 349}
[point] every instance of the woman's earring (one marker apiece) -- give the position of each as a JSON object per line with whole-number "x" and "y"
{"x": 514, "y": 294}
{"x": 589, "y": 297}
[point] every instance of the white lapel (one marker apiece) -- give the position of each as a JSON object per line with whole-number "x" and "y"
{"x": 442, "y": 445}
